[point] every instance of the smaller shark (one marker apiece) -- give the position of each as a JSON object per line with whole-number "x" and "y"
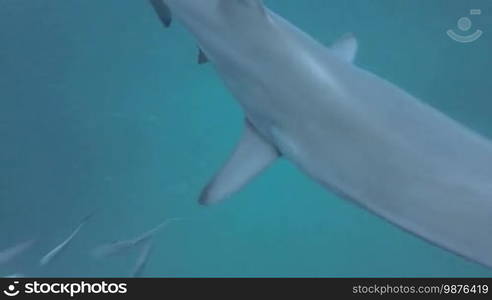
{"x": 121, "y": 246}
{"x": 9, "y": 254}
{"x": 58, "y": 250}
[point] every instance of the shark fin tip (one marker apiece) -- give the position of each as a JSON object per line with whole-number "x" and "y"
{"x": 162, "y": 11}
{"x": 205, "y": 198}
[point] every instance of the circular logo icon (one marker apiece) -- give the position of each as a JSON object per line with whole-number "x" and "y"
{"x": 11, "y": 290}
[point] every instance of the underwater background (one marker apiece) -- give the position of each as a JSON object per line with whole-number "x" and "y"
{"x": 103, "y": 110}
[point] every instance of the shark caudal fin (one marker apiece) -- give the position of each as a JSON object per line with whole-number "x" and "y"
{"x": 162, "y": 11}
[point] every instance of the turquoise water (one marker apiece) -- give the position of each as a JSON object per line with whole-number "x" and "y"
{"x": 102, "y": 109}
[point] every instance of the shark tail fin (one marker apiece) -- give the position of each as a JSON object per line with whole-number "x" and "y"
{"x": 162, "y": 11}
{"x": 143, "y": 258}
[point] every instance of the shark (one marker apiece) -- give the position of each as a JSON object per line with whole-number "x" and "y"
{"x": 64, "y": 245}
{"x": 122, "y": 246}
{"x": 11, "y": 253}
{"x": 355, "y": 133}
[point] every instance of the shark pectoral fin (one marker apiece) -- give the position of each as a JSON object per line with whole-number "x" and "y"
{"x": 252, "y": 155}
{"x": 345, "y": 47}
{"x": 162, "y": 11}
{"x": 202, "y": 57}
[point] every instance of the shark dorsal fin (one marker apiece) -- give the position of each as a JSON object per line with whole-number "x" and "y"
{"x": 252, "y": 155}
{"x": 202, "y": 57}
{"x": 345, "y": 47}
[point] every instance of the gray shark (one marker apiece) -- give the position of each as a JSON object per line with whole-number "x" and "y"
{"x": 355, "y": 133}
{"x": 121, "y": 246}
{"x": 9, "y": 254}
{"x": 60, "y": 248}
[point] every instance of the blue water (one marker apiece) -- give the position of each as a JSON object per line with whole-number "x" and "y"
{"x": 102, "y": 109}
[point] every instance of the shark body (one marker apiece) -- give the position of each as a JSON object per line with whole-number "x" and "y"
{"x": 63, "y": 246}
{"x": 10, "y": 254}
{"x": 353, "y": 132}
{"x": 122, "y": 246}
